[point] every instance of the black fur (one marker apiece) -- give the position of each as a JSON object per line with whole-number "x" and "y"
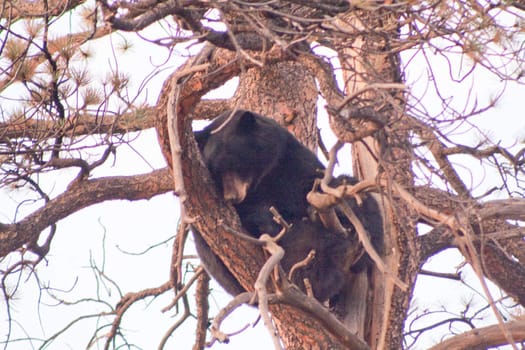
{"x": 256, "y": 164}
{"x": 279, "y": 169}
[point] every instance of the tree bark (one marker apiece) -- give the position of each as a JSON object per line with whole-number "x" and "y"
{"x": 285, "y": 92}
{"x": 80, "y": 195}
{"x": 366, "y": 61}
{"x": 296, "y": 329}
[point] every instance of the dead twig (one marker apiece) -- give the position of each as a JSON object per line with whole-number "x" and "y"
{"x": 276, "y": 254}
{"x": 369, "y": 248}
{"x": 184, "y": 290}
{"x": 217, "y": 334}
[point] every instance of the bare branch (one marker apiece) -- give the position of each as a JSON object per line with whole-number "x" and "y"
{"x": 79, "y": 125}
{"x": 81, "y": 195}
{"x": 125, "y": 303}
{"x": 201, "y": 299}
{"x": 484, "y": 337}
{"x": 237, "y": 301}
{"x": 506, "y": 209}
{"x": 276, "y": 255}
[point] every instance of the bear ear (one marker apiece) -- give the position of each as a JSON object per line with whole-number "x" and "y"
{"x": 201, "y": 137}
{"x": 247, "y": 120}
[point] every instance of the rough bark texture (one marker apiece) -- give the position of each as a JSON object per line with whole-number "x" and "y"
{"x": 502, "y": 261}
{"x": 483, "y": 338}
{"x": 285, "y": 92}
{"x": 78, "y": 125}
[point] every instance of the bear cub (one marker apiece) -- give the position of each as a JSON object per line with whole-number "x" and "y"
{"x": 255, "y": 164}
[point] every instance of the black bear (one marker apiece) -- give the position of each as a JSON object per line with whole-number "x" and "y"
{"x": 257, "y": 164}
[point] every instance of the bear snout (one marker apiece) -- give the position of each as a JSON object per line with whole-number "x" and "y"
{"x": 234, "y": 188}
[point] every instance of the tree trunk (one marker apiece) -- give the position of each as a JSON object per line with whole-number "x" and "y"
{"x": 263, "y": 92}
{"x": 367, "y": 60}
{"x": 287, "y": 93}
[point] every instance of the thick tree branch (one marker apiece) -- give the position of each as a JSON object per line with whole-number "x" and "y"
{"x": 499, "y": 266}
{"x": 505, "y": 209}
{"x": 141, "y": 15}
{"x": 503, "y": 270}
{"x": 435, "y": 242}
{"x": 202, "y": 294}
{"x": 209, "y": 109}
{"x": 84, "y": 124}
{"x": 483, "y": 338}
{"x": 87, "y": 124}
{"x": 238, "y": 255}
{"x": 81, "y": 195}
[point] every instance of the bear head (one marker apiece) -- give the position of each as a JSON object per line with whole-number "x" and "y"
{"x": 240, "y": 149}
